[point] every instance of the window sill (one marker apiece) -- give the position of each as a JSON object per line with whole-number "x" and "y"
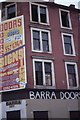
{"x": 73, "y": 88}
{"x": 5, "y": 18}
{"x": 47, "y": 24}
{"x": 69, "y": 28}
{"x": 42, "y": 52}
{"x": 44, "y": 87}
{"x": 70, "y": 55}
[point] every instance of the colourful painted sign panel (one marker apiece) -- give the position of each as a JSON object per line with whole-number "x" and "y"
{"x": 12, "y": 55}
{"x": 11, "y": 34}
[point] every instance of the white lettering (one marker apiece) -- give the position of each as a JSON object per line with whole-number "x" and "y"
{"x": 37, "y": 95}
{"x": 61, "y": 95}
{"x": 42, "y": 95}
{"x": 72, "y": 95}
{"x": 31, "y": 94}
{"x": 53, "y": 95}
{"x": 48, "y": 95}
{"x": 67, "y": 95}
{"x": 76, "y": 95}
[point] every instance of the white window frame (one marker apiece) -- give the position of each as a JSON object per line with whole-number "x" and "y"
{"x": 8, "y": 6}
{"x": 43, "y": 70}
{"x": 72, "y": 43}
{"x": 68, "y": 18}
{"x": 47, "y": 14}
{"x": 0, "y": 15}
{"x": 41, "y": 48}
{"x": 76, "y": 72}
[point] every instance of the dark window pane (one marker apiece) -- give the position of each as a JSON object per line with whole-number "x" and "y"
{"x": 36, "y": 34}
{"x": 11, "y": 11}
{"x": 67, "y": 39}
{"x": 42, "y": 10}
{"x": 65, "y": 19}
{"x": 43, "y": 17}
{"x": 71, "y": 69}
{"x": 68, "y": 45}
{"x": 48, "y": 73}
{"x": 45, "y": 41}
{"x": 40, "y": 115}
{"x": 38, "y": 66}
{"x": 45, "y": 36}
{"x": 3, "y": 13}
{"x": 38, "y": 72}
{"x": 68, "y": 49}
{"x": 45, "y": 46}
{"x": 47, "y": 67}
{"x": 34, "y": 10}
{"x": 36, "y": 40}
{"x": 72, "y": 75}
{"x": 36, "y": 45}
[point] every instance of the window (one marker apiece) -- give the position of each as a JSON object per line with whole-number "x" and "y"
{"x": 68, "y": 44}
{"x": 43, "y": 72}
{"x": 39, "y": 13}
{"x": 40, "y": 115}
{"x": 40, "y": 40}
{"x": 38, "y": 73}
{"x": 9, "y": 11}
{"x": 36, "y": 40}
{"x": 3, "y": 17}
{"x": 45, "y": 43}
{"x": 43, "y": 17}
{"x": 65, "y": 19}
{"x": 72, "y": 74}
{"x": 34, "y": 10}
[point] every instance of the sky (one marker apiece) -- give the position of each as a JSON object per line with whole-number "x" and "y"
{"x": 68, "y": 2}
{"x": 2, "y": 0}
{"x": 63, "y": 2}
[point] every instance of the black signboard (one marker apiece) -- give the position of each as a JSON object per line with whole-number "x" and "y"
{"x": 41, "y": 94}
{"x": 54, "y": 94}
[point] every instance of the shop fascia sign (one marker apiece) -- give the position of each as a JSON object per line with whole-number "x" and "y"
{"x": 13, "y": 102}
{"x": 45, "y": 94}
{"x": 54, "y": 94}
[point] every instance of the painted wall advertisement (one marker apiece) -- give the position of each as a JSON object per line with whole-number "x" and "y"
{"x": 12, "y": 54}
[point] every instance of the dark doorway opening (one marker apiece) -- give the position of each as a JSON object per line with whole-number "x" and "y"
{"x": 74, "y": 115}
{"x": 13, "y": 115}
{"x": 40, "y": 115}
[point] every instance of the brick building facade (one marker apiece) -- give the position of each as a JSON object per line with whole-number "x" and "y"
{"x": 51, "y": 35}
